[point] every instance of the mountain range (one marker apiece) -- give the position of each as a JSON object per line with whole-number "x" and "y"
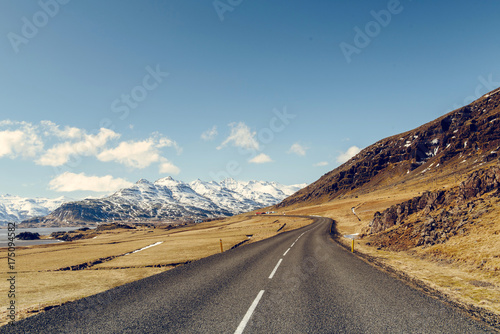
{"x": 168, "y": 199}
{"x": 16, "y": 208}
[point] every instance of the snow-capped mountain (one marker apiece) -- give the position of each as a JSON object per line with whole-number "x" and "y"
{"x": 169, "y": 199}
{"x": 17, "y": 208}
{"x": 262, "y": 192}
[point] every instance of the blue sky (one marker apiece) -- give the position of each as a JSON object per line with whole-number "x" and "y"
{"x": 98, "y": 94}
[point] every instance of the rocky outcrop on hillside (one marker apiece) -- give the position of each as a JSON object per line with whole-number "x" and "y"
{"x": 439, "y": 215}
{"x": 471, "y": 131}
{"x": 479, "y": 183}
{"x": 396, "y": 214}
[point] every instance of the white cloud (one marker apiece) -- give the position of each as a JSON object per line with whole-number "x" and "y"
{"x": 298, "y": 149}
{"x": 87, "y": 145}
{"x": 166, "y": 167}
{"x": 321, "y": 164}
{"x": 241, "y": 136}
{"x": 210, "y": 134}
{"x": 19, "y": 143}
{"x": 351, "y": 152}
{"x": 20, "y": 140}
{"x": 67, "y": 133}
{"x": 68, "y": 182}
{"x": 6, "y": 122}
{"x": 10, "y": 141}
{"x": 139, "y": 154}
{"x": 260, "y": 159}
{"x": 67, "y": 144}
{"x": 161, "y": 141}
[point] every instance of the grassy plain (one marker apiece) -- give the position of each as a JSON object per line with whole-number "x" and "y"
{"x": 41, "y": 284}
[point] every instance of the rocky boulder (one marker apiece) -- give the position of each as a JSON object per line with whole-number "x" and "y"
{"x": 28, "y": 236}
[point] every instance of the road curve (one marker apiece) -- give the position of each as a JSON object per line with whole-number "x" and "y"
{"x": 296, "y": 282}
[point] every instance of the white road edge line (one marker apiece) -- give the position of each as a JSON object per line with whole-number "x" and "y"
{"x": 292, "y": 244}
{"x": 286, "y": 252}
{"x": 275, "y": 268}
{"x": 249, "y": 313}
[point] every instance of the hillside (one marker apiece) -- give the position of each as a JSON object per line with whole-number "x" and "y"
{"x": 469, "y": 136}
{"x": 434, "y": 217}
{"x": 168, "y": 200}
{"x": 424, "y": 204}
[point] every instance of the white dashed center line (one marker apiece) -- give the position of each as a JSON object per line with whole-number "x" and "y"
{"x": 252, "y": 308}
{"x": 249, "y": 313}
{"x": 275, "y": 268}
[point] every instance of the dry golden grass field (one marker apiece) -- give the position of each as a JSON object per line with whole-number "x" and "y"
{"x": 40, "y": 284}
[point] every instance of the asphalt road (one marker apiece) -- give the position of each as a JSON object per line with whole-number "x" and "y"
{"x": 296, "y": 282}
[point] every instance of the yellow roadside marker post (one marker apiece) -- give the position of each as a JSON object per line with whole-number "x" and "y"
{"x": 352, "y": 246}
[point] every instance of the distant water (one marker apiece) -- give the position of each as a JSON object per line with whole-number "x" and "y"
{"x": 42, "y": 231}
